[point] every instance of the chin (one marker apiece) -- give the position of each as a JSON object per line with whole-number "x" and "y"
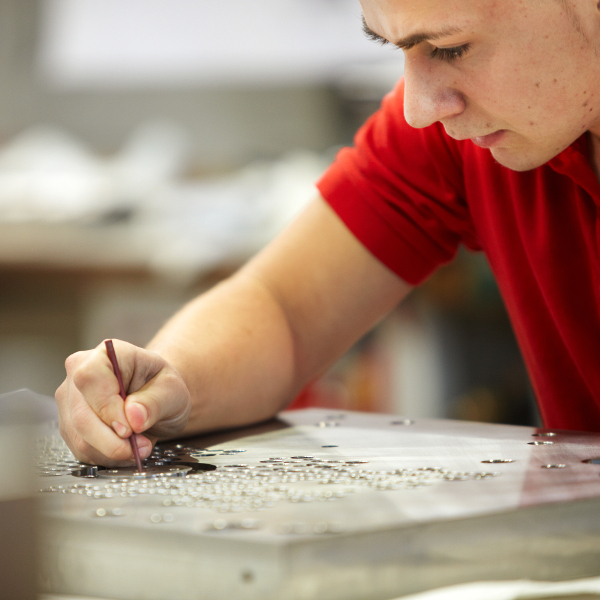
{"x": 518, "y": 161}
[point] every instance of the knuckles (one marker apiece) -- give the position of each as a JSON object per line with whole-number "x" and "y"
{"x": 74, "y": 360}
{"x": 84, "y": 375}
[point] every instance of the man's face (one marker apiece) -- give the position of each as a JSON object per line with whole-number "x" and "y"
{"x": 520, "y": 77}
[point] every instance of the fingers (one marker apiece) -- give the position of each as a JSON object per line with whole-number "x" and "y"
{"x": 93, "y": 375}
{"x": 149, "y": 410}
{"x": 96, "y": 422}
{"x": 91, "y": 440}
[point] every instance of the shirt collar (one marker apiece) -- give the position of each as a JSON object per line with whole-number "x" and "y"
{"x": 574, "y": 162}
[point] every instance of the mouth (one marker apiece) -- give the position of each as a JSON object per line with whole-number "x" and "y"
{"x": 490, "y": 140}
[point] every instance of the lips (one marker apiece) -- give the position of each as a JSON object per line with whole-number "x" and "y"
{"x": 487, "y": 141}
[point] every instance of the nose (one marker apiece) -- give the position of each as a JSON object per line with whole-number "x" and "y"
{"x": 428, "y": 95}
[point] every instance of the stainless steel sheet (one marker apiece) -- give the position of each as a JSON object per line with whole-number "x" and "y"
{"x": 320, "y": 504}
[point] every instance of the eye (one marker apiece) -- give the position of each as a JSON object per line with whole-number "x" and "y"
{"x": 450, "y": 54}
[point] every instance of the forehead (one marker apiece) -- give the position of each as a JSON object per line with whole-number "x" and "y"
{"x": 395, "y": 19}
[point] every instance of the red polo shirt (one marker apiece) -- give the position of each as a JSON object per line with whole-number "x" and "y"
{"x": 412, "y": 196}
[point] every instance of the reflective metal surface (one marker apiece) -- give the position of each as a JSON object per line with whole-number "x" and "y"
{"x": 149, "y": 472}
{"x": 372, "y": 507}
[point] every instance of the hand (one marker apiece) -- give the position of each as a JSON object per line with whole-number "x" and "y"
{"x": 94, "y": 420}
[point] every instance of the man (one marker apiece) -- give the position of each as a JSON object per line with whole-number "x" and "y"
{"x": 491, "y": 140}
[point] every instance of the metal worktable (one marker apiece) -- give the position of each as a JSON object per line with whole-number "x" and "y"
{"x": 324, "y": 505}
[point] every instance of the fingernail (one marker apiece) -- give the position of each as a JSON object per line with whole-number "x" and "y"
{"x": 120, "y": 429}
{"x": 145, "y": 450}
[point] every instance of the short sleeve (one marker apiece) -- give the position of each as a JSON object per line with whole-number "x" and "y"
{"x": 400, "y": 191}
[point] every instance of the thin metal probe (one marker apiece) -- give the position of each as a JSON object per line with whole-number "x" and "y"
{"x": 110, "y": 350}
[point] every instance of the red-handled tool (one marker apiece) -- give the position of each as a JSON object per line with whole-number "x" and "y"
{"x": 110, "y": 350}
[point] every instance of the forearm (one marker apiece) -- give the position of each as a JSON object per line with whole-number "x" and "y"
{"x": 247, "y": 347}
{"x": 235, "y": 351}
{"x": 238, "y": 353}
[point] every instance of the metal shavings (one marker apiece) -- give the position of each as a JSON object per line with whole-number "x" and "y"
{"x": 498, "y": 460}
{"x": 540, "y": 443}
{"x": 554, "y": 466}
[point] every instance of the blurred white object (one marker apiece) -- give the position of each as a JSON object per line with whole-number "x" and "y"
{"x": 153, "y": 42}
{"x": 175, "y": 227}
{"x": 226, "y": 220}
{"x": 47, "y": 175}
{"x": 513, "y": 590}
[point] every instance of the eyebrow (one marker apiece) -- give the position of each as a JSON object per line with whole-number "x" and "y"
{"x": 412, "y": 40}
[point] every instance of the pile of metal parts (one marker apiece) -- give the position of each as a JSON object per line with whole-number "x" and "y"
{"x": 319, "y": 505}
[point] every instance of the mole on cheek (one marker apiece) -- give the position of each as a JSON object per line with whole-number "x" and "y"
{"x": 537, "y": 84}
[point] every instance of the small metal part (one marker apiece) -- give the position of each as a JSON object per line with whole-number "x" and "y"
{"x": 89, "y": 471}
{"x": 592, "y": 461}
{"x": 498, "y": 460}
{"x": 540, "y": 443}
{"x": 544, "y": 434}
{"x": 100, "y": 512}
{"x": 148, "y": 473}
{"x": 156, "y": 518}
{"x": 554, "y": 466}
{"x": 330, "y": 446}
{"x": 327, "y": 424}
{"x": 403, "y": 422}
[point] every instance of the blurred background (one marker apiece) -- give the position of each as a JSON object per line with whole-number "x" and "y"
{"x": 148, "y": 148}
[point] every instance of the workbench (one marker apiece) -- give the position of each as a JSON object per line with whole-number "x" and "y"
{"x": 318, "y": 504}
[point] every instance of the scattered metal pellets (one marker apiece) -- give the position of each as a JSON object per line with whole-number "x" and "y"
{"x": 301, "y": 528}
{"x": 111, "y": 512}
{"x": 249, "y": 487}
{"x": 242, "y": 524}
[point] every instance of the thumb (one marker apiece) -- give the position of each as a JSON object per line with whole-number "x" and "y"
{"x": 161, "y": 407}
{"x": 137, "y": 414}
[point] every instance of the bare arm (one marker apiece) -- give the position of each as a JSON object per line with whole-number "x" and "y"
{"x": 241, "y": 351}
{"x": 287, "y": 315}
